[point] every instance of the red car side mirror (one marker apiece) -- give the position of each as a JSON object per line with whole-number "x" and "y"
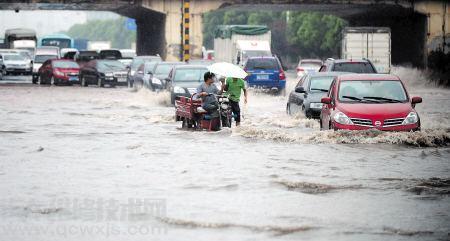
{"x": 326, "y": 100}
{"x": 416, "y": 100}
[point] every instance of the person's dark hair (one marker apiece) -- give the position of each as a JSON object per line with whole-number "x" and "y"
{"x": 208, "y": 75}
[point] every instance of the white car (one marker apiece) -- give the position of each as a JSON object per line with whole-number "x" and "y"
{"x": 306, "y": 66}
{"x": 16, "y": 64}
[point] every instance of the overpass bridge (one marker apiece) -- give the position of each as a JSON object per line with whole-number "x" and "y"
{"x": 168, "y": 28}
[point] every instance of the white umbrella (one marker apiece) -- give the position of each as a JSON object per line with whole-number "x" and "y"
{"x": 227, "y": 70}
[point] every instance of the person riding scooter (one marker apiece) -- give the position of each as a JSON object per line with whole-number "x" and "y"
{"x": 207, "y": 91}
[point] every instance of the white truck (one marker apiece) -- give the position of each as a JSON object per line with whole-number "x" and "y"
{"x": 373, "y": 43}
{"x": 98, "y": 45}
{"x": 235, "y": 43}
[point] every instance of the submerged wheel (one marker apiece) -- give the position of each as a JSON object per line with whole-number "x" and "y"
{"x": 288, "y": 109}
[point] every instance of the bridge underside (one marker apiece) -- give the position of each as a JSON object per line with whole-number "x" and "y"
{"x": 150, "y": 24}
{"x": 408, "y": 28}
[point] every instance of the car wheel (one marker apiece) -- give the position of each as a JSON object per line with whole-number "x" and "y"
{"x": 84, "y": 83}
{"x": 100, "y": 82}
{"x": 288, "y": 109}
{"x": 41, "y": 82}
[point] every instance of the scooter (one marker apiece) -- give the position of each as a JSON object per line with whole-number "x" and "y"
{"x": 193, "y": 116}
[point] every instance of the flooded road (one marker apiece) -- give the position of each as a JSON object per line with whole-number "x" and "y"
{"x": 111, "y": 164}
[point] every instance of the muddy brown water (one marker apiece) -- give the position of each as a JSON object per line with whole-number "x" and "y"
{"x": 110, "y": 164}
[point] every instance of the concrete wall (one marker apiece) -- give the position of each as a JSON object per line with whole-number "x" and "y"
{"x": 438, "y": 23}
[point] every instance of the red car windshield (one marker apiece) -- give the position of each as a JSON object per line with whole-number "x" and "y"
{"x": 379, "y": 91}
{"x": 65, "y": 65}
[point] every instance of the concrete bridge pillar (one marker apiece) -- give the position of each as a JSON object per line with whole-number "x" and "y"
{"x": 438, "y": 23}
{"x": 172, "y": 10}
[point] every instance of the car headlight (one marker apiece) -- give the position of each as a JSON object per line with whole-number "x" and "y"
{"x": 109, "y": 74}
{"x": 412, "y": 118}
{"x": 343, "y": 119}
{"x": 179, "y": 90}
{"x": 57, "y": 72}
{"x": 315, "y": 105}
{"x": 157, "y": 81}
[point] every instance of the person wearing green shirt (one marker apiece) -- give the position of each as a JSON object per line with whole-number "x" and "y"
{"x": 234, "y": 88}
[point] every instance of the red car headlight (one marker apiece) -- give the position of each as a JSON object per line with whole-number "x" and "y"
{"x": 342, "y": 118}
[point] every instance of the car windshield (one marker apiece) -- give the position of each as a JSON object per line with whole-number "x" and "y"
{"x": 43, "y": 58}
{"x": 110, "y": 65}
{"x": 149, "y": 66}
{"x": 58, "y": 42}
{"x": 138, "y": 61}
{"x": 372, "y": 90}
{"x": 320, "y": 84}
{"x": 14, "y": 57}
{"x": 163, "y": 69}
{"x": 110, "y": 54}
{"x": 262, "y": 64}
{"x": 65, "y": 64}
{"x": 354, "y": 67}
{"x": 189, "y": 75}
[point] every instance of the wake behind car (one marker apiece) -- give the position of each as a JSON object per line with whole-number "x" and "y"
{"x": 266, "y": 73}
{"x": 59, "y": 71}
{"x": 365, "y": 101}
{"x": 103, "y": 72}
{"x": 308, "y": 93}
{"x": 359, "y": 66}
{"x": 16, "y": 64}
{"x": 184, "y": 80}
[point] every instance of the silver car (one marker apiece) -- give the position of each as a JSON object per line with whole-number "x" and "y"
{"x": 16, "y": 64}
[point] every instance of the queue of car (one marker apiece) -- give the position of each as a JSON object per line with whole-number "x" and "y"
{"x": 347, "y": 94}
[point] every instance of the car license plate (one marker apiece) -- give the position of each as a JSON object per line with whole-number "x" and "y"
{"x": 121, "y": 79}
{"x": 262, "y": 77}
{"x": 73, "y": 79}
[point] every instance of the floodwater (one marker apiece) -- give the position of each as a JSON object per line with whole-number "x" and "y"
{"x": 111, "y": 164}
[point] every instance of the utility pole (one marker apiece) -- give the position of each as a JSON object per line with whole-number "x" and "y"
{"x": 186, "y": 22}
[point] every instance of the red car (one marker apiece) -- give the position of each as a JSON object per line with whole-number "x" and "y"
{"x": 59, "y": 71}
{"x": 364, "y": 101}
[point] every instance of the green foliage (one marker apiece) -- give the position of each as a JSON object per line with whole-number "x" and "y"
{"x": 306, "y": 34}
{"x": 105, "y": 30}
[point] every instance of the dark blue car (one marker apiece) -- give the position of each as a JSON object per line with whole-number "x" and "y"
{"x": 266, "y": 73}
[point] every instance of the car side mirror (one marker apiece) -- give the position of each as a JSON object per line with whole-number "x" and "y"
{"x": 300, "y": 89}
{"x": 326, "y": 100}
{"x": 416, "y": 100}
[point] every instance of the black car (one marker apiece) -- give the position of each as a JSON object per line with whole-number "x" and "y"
{"x": 348, "y": 65}
{"x": 184, "y": 80}
{"x": 110, "y": 54}
{"x": 83, "y": 57}
{"x": 103, "y": 71}
{"x": 160, "y": 74}
{"x": 308, "y": 94}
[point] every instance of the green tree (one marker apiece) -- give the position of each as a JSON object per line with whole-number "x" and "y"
{"x": 306, "y": 34}
{"x": 113, "y": 30}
